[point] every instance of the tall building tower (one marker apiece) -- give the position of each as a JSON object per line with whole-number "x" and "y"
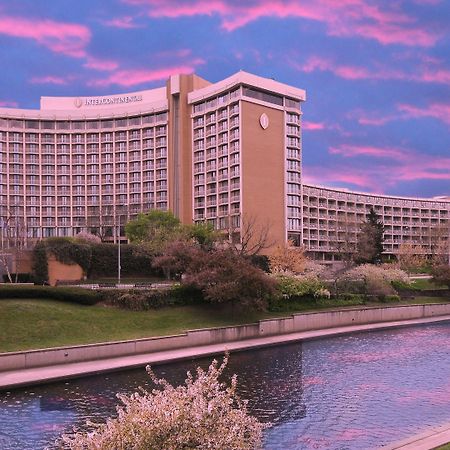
{"x": 246, "y": 147}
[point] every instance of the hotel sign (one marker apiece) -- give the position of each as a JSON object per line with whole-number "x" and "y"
{"x": 106, "y": 101}
{"x": 264, "y": 121}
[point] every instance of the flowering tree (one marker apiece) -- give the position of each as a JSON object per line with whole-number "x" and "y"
{"x": 377, "y": 279}
{"x": 411, "y": 258}
{"x": 287, "y": 259}
{"x": 88, "y": 238}
{"x": 203, "y": 414}
{"x": 441, "y": 274}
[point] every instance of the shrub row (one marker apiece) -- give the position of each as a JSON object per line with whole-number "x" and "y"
{"x": 19, "y": 278}
{"x": 308, "y": 301}
{"x": 105, "y": 259}
{"x": 142, "y": 300}
{"x": 72, "y": 295}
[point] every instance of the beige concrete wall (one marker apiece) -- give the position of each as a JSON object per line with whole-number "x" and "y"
{"x": 59, "y": 271}
{"x": 263, "y": 170}
{"x": 292, "y": 324}
{"x": 180, "y": 173}
{"x": 24, "y": 261}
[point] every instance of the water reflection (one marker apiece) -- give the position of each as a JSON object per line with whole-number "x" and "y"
{"x": 352, "y": 392}
{"x": 275, "y": 373}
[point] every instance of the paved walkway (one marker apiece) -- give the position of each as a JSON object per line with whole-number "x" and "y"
{"x": 432, "y": 438}
{"x": 47, "y": 374}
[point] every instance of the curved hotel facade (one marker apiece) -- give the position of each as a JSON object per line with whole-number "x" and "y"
{"x": 228, "y": 152}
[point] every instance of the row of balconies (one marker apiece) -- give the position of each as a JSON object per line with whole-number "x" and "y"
{"x": 379, "y": 202}
{"x": 362, "y": 212}
{"x": 84, "y": 139}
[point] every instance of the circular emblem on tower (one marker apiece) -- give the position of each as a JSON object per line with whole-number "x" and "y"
{"x": 264, "y": 121}
{"x": 78, "y": 102}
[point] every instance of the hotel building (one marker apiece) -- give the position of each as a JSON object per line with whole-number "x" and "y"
{"x": 228, "y": 152}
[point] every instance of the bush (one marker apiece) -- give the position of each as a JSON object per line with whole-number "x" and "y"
{"x": 345, "y": 300}
{"x": 202, "y": 414}
{"x": 224, "y": 276}
{"x": 356, "y": 299}
{"x": 390, "y": 299}
{"x": 65, "y": 250}
{"x": 145, "y": 299}
{"x": 72, "y": 295}
{"x": 69, "y": 251}
{"x": 40, "y": 263}
{"x": 104, "y": 262}
{"x": 377, "y": 280}
{"x": 293, "y": 288}
{"x": 441, "y": 275}
{"x": 345, "y": 285}
{"x": 322, "y": 294}
{"x": 21, "y": 278}
{"x": 261, "y": 262}
{"x": 138, "y": 300}
{"x": 279, "y": 304}
{"x": 402, "y": 286}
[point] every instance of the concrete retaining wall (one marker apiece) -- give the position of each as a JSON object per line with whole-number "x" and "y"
{"x": 292, "y": 324}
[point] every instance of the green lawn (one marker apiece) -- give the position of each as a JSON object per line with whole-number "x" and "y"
{"x": 426, "y": 283}
{"x": 31, "y": 324}
{"x": 443, "y": 447}
{"x": 28, "y": 324}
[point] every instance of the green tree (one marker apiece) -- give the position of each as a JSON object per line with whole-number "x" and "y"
{"x": 153, "y": 230}
{"x": 203, "y": 234}
{"x": 370, "y": 240}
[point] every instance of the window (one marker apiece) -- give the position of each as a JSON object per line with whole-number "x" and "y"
{"x": 263, "y": 96}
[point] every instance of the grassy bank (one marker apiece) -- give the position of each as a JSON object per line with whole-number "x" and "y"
{"x": 38, "y": 323}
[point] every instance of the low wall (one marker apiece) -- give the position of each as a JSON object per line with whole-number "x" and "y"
{"x": 291, "y": 324}
{"x": 60, "y": 271}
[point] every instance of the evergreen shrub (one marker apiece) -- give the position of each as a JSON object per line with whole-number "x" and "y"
{"x": 71, "y": 295}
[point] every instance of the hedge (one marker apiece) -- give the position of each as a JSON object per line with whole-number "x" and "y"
{"x": 279, "y": 304}
{"x": 96, "y": 260}
{"x": 21, "y": 278}
{"x": 72, "y": 295}
{"x": 104, "y": 262}
{"x": 142, "y": 300}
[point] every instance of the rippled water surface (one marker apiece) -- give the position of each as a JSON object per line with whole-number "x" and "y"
{"x": 359, "y": 391}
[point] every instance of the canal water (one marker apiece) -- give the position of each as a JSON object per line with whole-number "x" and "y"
{"x": 359, "y": 391}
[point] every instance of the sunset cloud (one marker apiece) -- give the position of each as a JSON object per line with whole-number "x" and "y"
{"x": 342, "y": 18}
{"x": 50, "y": 79}
{"x": 8, "y": 104}
{"x": 313, "y": 126}
{"x": 404, "y": 166}
{"x": 134, "y": 77}
{"x": 125, "y": 22}
{"x": 351, "y": 151}
{"x": 67, "y": 38}
{"x": 353, "y": 72}
{"x": 439, "y": 111}
{"x": 338, "y": 176}
{"x": 100, "y": 64}
{"x": 379, "y": 178}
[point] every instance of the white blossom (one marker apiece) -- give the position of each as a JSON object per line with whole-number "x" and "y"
{"x": 203, "y": 414}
